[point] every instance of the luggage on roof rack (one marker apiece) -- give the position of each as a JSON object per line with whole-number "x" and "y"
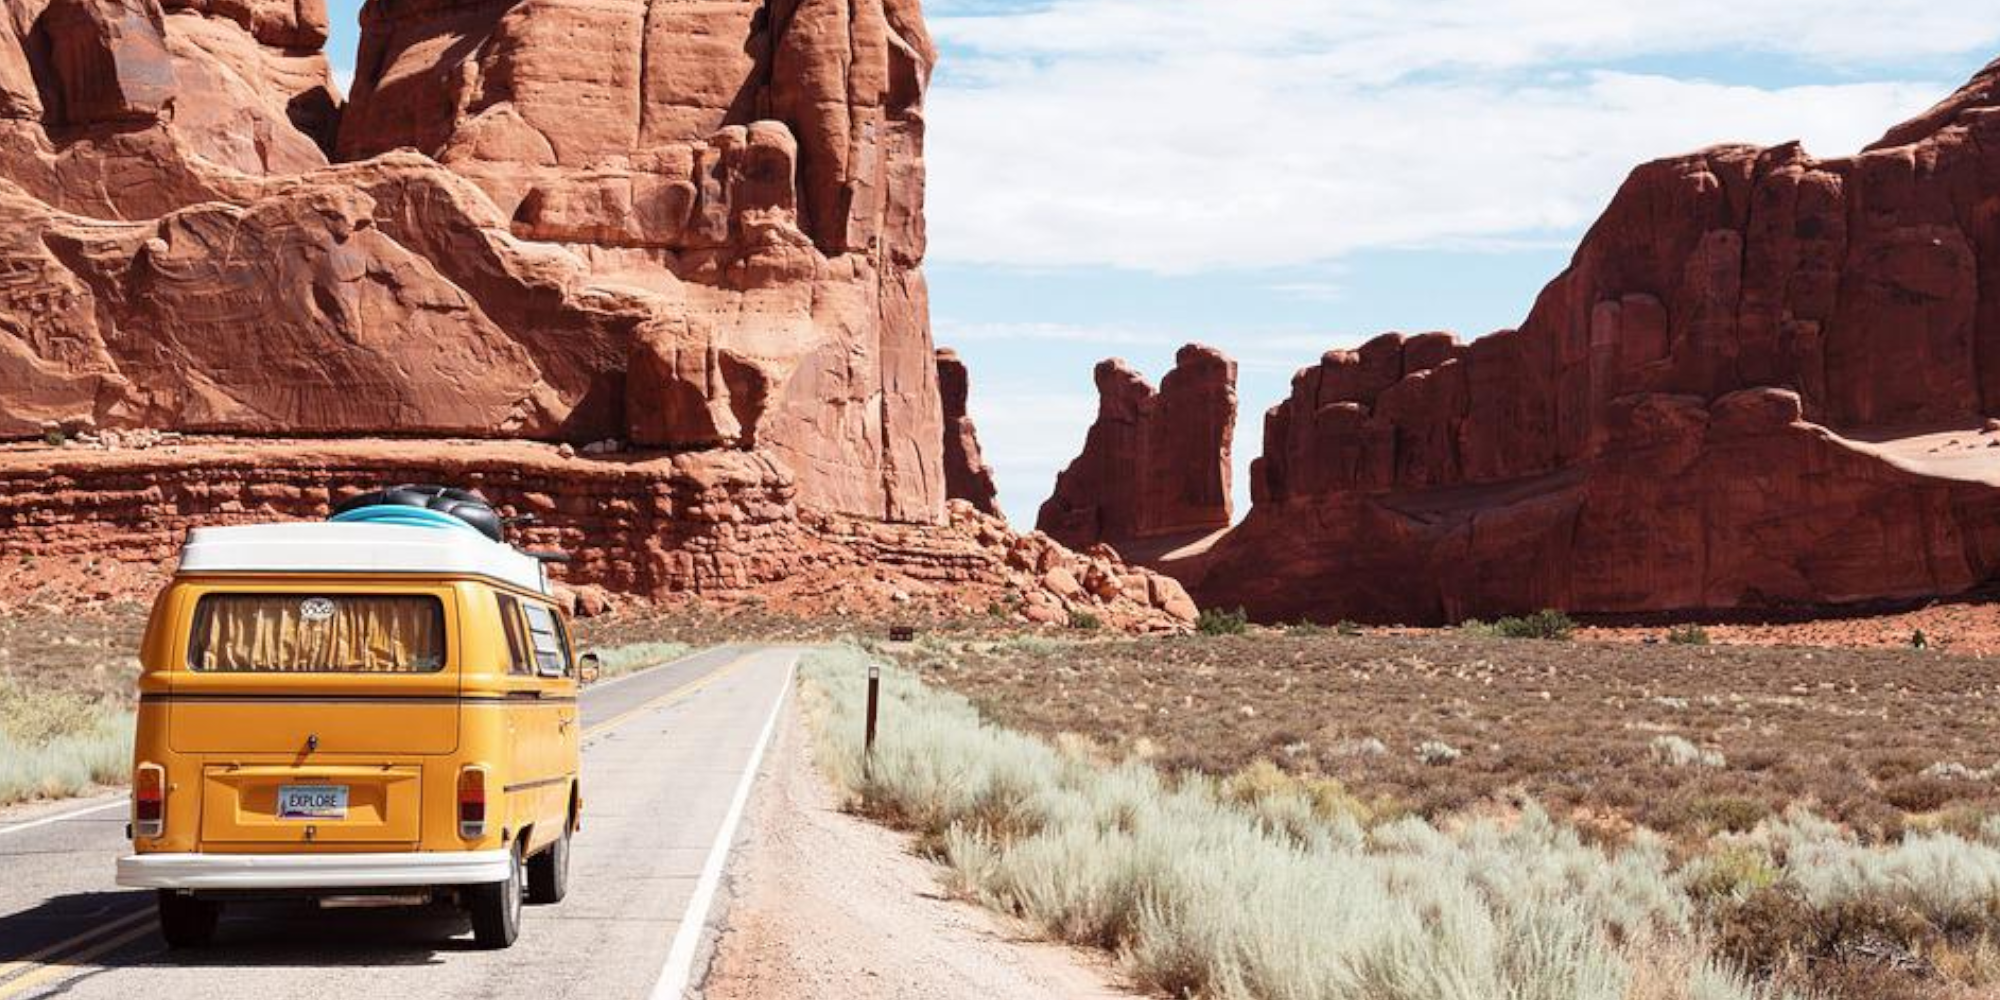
{"x": 465, "y": 505}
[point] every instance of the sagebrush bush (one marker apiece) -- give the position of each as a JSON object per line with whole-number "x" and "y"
{"x": 70, "y": 762}
{"x": 1260, "y": 886}
{"x": 1676, "y": 751}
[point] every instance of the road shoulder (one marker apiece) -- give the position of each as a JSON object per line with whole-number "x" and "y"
{"x": 824, "y": 904}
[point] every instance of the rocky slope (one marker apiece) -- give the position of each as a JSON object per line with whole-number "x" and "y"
{"x": 681, "y": 237}
{"x": 1765, "y": 379}
{"x": 1155, "y": 464}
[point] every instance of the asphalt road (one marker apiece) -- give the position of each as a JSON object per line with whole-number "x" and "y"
{"x": 667, "y": 760}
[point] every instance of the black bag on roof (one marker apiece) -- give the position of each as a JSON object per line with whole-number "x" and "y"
{"x": 465, "y": 505}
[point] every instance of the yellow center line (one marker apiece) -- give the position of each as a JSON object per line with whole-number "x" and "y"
{"x": 666, "y": 699}
{"x": 70, "y": 963}
{"x": 10, "y": 968}
{"x": 49, "y": 969}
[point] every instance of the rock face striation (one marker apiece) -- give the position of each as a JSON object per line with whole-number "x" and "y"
{"x": 96, "y": 521}
{"x": 1763, "y": 380}
{"x": 1155, "y": 464}
{"x": 683, "y": 238}
{"x": 967, "y": 477}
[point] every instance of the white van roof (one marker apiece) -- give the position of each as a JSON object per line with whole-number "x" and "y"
{"x": 327, "y": 547}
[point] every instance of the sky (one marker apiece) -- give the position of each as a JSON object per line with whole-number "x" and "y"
{"x": 1277, "y": 178}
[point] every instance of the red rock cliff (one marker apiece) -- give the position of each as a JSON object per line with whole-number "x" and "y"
{"x": 1741, "y": 392}
{"x": 684, "y": 225}
{"x": 687, "y": 236}
{"x": 1155, "y": 464}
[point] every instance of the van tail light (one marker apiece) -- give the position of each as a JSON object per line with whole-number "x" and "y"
{"x": 149, "y": 800}
{"x": 472, "y": 803}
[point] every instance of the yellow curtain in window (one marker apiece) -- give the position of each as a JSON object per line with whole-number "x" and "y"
{"x": 297, "y": 633}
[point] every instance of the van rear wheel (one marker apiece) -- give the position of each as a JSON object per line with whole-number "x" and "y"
{"x": 496, "y": 907}
{"x": 187, "y": 922}
{"x": 548, "y": 872}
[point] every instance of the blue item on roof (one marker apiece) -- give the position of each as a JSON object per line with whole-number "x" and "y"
{"x": 414, "y": 517}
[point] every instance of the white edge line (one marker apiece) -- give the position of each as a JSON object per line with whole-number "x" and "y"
{"x": 676, "y": 975}
{"x": 59, "y": 817}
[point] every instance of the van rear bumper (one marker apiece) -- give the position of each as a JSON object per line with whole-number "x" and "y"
{"x": 312, "y": 871}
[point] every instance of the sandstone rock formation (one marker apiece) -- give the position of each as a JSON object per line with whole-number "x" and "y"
{"x": 683, "y": 225}
{"x": 1155, "y": 464}
{"x": 678, "y": 244}
{"x": 967, "y": 477}
{"x": 1761, "y": 381}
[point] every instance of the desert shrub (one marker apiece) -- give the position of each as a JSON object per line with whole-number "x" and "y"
{"x": 1844, "y": 908}
{"x": 1216, "y": 621}
{"x": 617, "y": 661}
{"x": 1545, "y": 624}
{"x": 69, "y": 762}
{"x": 54, "y": 437}
{"x": 1305, "y": 627}
{"x": 1437, "y": 753}
{"x": 1676, "y": 751}
{"x": 1951, "y": 770}
{"x": 1687, "y": 635}
{"x": 1733, "y": 872}
{"x": 1260, "y": 885}
{"x": 1084, "y": 621}
{"x": 1346, "y": 628}
{"x": 1920, "y": 794}
{"x": 1292, "y": 804}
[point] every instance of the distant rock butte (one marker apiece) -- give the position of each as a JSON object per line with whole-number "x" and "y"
{"x": 692, "y": 230}
{"x": 967, "y": 477}
{"x": 1155, "y": 464}
{"x": 1764, "y": 380}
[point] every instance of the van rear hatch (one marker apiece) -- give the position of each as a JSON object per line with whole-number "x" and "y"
{"x": 313, "y": 712}
{"x": 298, "y": 671}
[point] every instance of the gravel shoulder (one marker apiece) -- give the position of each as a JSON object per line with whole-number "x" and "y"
{"x": 824, "y": 904}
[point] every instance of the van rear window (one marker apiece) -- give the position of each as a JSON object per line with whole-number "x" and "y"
{"x": 307, "y": 633}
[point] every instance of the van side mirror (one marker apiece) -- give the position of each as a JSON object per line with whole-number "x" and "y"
{"x": 589, "y": 667}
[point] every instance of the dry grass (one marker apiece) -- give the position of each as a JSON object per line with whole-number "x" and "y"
{"x": 1599, "y": 733}
{"x": 67, "y": 685}
{"x": 1264, "y": 886}
{"x": 1880, "y": 762}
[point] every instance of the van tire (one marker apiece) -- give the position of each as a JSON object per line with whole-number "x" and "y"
{"x": 496, "y": 907}
{"x": 548, "y": 872}
{"x": 187, "y": 922}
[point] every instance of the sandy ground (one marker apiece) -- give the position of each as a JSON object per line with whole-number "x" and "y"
{"x": 826, "y": 905}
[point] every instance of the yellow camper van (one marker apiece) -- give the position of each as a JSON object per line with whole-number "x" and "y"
{"x": 376, "y": 710}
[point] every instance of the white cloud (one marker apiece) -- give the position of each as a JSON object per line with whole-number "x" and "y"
{"x": 1183, "y": 135}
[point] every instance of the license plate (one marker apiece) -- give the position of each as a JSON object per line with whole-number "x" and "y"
{"x": 312, "y": 801}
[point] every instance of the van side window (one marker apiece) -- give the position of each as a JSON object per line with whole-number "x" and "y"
{"x": 551, "y": 650}
{"x": 518, "y": 661}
